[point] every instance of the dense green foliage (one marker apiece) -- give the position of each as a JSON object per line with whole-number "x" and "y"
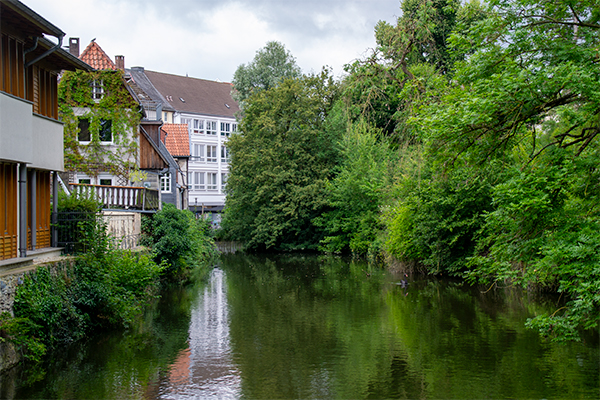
{"x": 357, "y": 193}
{"x": 281, "y": 162}
{"x": 271, "y": 65}
{"x": 492, "y": 112}
{"x": 102, "y": 288}
{"x": 178, "y": 240}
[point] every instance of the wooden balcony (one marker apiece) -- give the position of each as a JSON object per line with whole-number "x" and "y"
{"x": 119, "y": 197}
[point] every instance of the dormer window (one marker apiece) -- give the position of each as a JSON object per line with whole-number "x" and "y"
{"x": 97, "y": 90}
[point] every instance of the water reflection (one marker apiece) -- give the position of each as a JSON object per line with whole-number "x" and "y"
{"x": 296, "y": 326}
{"x": 205, "y": 369}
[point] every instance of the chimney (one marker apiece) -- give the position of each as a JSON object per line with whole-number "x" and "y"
{"x": 74, "y": 46}
{"x": 120, "y": 62}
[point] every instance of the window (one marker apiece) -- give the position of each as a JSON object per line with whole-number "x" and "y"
{"x": 223, "y": 182}
{"x": 224, "y": 154}
{"x": 198, "y": 181}
{"x": 211, "y": 127}
{"x": 105, "y": 132}
{"x": 211, "y": 153}
{"x": 85, "y": 181}
{"x": 84, "y": 130}
{"x": 165, "y": 183}
{"x": 197, "y": 152}
{"x": 198, "y": 127}
{"x": 211, "y": 181}
{"x": 97, "y": 90}
{"x": 106, "y": 182}
{"x": 225, "y": 128}
{"x": 233, "y": 128}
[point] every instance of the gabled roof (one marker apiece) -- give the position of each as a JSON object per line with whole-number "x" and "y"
{"x": 176, "y": 138}
{"x": 96, "y": 57}
{"x": 194, "y": 95}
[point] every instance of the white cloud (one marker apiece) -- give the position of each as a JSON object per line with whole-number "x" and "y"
{"x": 211, "y": 41}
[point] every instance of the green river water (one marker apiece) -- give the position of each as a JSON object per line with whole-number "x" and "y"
{"x": 316, "y": 327}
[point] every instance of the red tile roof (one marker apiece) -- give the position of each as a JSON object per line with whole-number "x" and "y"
{"x": 96, "y": 57}
{"x": 176, "y": 139}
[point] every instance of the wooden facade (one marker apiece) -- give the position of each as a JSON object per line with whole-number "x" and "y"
{"x": 31, "y": 142}
{"x": 38, "y": 182}
{"x": 8, "y": 211}
{"x": 13, "y": 68}
{"x": 150, "y": 157}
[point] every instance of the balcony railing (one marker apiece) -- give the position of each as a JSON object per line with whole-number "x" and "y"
{"x": 118, "y": 197}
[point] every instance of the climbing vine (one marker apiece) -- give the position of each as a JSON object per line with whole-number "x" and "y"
{"x": 114, "y": 110}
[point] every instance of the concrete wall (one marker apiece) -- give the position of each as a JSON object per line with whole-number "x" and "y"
{"x": 28, "y": 138}
{"x": 15, "y": 129}
{"x": 48, "y": 145}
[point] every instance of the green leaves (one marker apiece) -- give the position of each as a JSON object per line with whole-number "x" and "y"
{"x": 116, "y": 107}
{"x": 280, "y": 163}
{"x": 178, "y": 241}
{"x": 357, "y": 193}
{"x": 270, "y": 66}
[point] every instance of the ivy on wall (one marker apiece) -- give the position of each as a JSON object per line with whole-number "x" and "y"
{"x": 116, "y": 105}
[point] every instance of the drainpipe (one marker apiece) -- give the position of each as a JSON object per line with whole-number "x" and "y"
{"x": 32, "y": 48}
{"x": 47, "y": 53}
{"x": 54, "y": 209}
{"x": 22, "y": 210}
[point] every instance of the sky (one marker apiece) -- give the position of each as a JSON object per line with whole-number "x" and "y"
{"x": 209, "y": 39}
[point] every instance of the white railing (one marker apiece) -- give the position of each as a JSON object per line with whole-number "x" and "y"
{"x": 118, "y": 197}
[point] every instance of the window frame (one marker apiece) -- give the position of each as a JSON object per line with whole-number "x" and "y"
{"x": 211, "y": 127}
{"x": 165, "y": 183}
{"x": 211, "y": 181}
{"x": 211, "y": 156}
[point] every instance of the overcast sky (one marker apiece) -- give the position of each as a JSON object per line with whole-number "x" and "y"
{"x": 209, "y": 39}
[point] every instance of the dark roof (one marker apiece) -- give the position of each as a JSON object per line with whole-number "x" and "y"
{"x": 176, "y": 139}
{"x": 97, "y": 58}
{"x": 194, "y": 95}
{"x": 28, "y": 21}
{"x": 147, "y": 94}
{"x": 59, "y": 58}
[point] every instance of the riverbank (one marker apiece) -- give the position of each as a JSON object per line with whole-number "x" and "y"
{"x": 63, "y": 300}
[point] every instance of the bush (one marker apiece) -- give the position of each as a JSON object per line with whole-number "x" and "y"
{"x": 102, "y": 288}
{"x": 178, "y": 240}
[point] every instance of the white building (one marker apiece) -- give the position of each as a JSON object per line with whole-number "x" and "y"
{"x": 210, "y": 113}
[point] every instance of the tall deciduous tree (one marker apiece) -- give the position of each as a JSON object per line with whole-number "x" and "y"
{"x": 527, "y": 99}
{"x": 281, "y": 160}
{"x": 270, "y": 66}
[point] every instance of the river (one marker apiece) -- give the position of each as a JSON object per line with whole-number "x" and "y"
{"x": 319, "y": 327}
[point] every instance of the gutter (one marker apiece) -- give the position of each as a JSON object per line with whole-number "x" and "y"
{"x": 47, "y": 53}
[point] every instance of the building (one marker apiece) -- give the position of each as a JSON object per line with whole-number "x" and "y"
{"x": 209, "y": 111}
{"x": 31, "y": 135}
{"x": 109, "y": 142}
{"x": 174, "y": 185}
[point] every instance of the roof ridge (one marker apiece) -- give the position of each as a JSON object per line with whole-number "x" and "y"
{"x": 188, "y": 77}
{"x": 96, "y": 57}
